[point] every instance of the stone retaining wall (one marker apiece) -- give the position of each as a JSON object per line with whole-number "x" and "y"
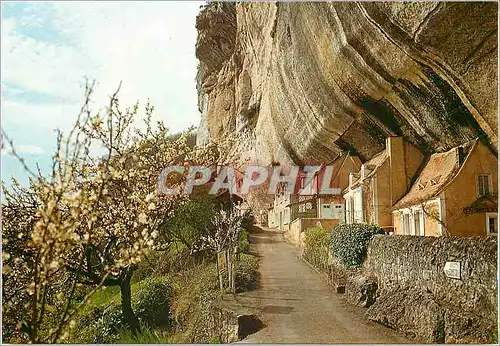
{"x": 416, "y": 297}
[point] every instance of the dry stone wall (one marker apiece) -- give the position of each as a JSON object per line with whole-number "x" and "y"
{"x": 417, "y": 297}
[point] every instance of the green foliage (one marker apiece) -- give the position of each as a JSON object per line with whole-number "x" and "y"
{"x": 246, "y": 273}
{"x": 243, "y": 245}
{"x": 350, "y": 242}
{"x": 173, "y": 309}
{"x": 100, "y": 320}
{"x": 151, "y": 301}
{"x": 145, "y": 336}
{"x": 192, "y": 289}
{"x": 316, "y": 247}
{"x": 247, "y": 221}
{"x": 215, "y": 340}
{"x": 494, "y": 337}
{"x": 176, "y": 258}
{"x": 190, "y": 220}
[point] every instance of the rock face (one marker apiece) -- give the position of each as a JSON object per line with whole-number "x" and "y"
{"x": 309, "y": 79}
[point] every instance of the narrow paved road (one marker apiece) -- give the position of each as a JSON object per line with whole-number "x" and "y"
{"x": 297, "y": 306}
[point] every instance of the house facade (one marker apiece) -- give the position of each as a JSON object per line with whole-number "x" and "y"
{"x": 402, "y": 191}
{"x": 380, "y": 182}
{"x": 323, "y": 206}
{"x": 289, "y": 206}
{"x": 279, "y": 213}
{"x": 455, "y": 194}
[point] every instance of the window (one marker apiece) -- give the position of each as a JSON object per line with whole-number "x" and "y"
{"x": 492, "y": 224}
{"x": 406, "y": 223}
{"x": 418, "y": 222}
{"x": 484, "y": 185}
{"x": 349, "y": 204}
{"x": 358, "y": 206}
{"x": 302, "y": 182}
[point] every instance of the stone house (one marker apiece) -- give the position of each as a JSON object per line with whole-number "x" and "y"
{"x": 290, "y": 209}
{"x": 381, "y": 182}
{"x": 279, "y": 213}
{"x": 320, "y": 209}
{"x": 323, "y": 206}
{"x": 455, "y": 194}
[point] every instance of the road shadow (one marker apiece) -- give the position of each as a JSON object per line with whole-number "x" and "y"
{"x": 256, "y": 229}
{"x": 248, "y": 324}
{"x": 259, "y": 235}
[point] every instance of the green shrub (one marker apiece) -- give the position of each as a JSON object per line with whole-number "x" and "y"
{"x": 191, "y": 219}
{"x": 100, "y": 320}
{"x": 215, "y": 340}
{"x": 244, "y": 245}
{"x": 248, "y": 221}
{"x": 350, "y": 242}
{"x": 317, "y": 249}
{"x": 246, "y": 273}
{"x": 151, "y": 301}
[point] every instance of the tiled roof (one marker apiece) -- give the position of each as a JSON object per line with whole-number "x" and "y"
{"x": 440, "y": 169}
{"x": 483, "y": 204}
{"x": 375, "y": 162}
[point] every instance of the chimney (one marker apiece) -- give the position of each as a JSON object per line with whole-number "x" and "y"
{"x": 397, "y": 171}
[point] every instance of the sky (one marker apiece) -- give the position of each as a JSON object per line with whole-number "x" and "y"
{"x": 49, "y": 48}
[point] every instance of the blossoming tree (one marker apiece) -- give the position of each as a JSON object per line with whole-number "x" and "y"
{"x": 90, "y": 220}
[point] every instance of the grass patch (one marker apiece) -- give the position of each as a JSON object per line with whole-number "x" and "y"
{"x": 145, "y": 336}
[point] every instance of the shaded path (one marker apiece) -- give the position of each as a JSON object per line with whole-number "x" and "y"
{"x": 297, "y": 306}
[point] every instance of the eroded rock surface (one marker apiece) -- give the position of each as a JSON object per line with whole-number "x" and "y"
{"x": 310, "y": 79}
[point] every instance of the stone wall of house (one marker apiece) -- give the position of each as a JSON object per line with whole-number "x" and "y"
{"x": 411, "y": 292}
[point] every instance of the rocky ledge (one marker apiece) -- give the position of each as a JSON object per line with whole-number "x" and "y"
{"x": 307, "y": 80}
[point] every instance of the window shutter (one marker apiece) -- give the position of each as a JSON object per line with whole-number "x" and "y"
{"x": 480, "y": 185}
{"x": 483, "y": 185}
{"x": 416, "y": 221}
{"x": 486, "y": 184}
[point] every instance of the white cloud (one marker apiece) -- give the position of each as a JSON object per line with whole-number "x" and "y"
{"x": 28, "y": 117}
{"x": 149, "y": 46}
{"x": 30, "y": 149}
{"x": 24, "y": 149}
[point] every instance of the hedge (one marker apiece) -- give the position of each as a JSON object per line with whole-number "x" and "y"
{"x": 350, "y": 242}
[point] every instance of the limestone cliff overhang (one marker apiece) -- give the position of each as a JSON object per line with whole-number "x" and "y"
{"x": 440, "y": 170}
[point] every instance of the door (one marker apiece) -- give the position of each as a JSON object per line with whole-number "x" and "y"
{"x": 332, "y": 211}
{"x": 326, "y": 211}
{"x": 338, "y": 211}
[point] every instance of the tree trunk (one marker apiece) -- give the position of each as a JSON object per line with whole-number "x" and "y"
{"x": 233, "y": 271}
{"x": 229, "y": 270}
{"x": 126, "y": 299}
{"x": 218, "y": 273}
